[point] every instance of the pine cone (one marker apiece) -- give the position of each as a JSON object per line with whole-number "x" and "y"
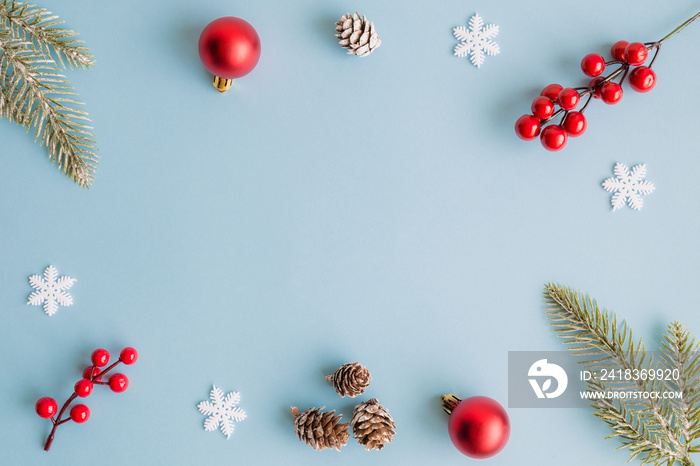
{"x": 350, "y": 379}
{"x": 372, "y": 425}
{"x": 357, "y": 35}
{"x": 320, "y": 430}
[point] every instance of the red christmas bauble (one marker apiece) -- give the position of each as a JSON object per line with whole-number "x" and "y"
{"x": 479, "y": 427}
{"x": 229, "y": 47}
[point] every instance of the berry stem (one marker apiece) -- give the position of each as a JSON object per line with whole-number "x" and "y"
{"x": 590, "y": 96}
{"x": 57, "y": 421}
{"x": 678, "y": 29}
{"x": 658, "y": 47}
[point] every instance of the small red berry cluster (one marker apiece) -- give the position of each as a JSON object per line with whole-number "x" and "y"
{"x": 46, "y": 407}
{"x": 573, "y": 123}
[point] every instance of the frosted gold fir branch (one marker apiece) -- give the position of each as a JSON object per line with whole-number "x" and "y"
{"x": 654, "y": 431}
{"x": 33, "y": 93}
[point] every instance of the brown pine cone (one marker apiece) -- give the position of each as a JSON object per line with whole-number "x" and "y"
{"x": 320, "y": 430}
{"x": 372, "y": 425}
{"x": 350, "y": 379}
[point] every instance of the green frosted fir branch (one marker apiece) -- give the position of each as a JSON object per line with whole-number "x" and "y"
{"x": 654, "y": 431}
{"x": 33, "y": 93}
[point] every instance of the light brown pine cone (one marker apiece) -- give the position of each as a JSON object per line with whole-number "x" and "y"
{"x": 357, "y": 35}
{"x": 350, "y": 379}
{"x": 372, "y": 425}
{"x": 320, "y": 430}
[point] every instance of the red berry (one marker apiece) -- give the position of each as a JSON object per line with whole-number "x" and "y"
{"x": 83, "y": 388}
{"x": 618, "y": 49}
{"x": 592, "y": 85}
{"x": 46, "y": 407}
{"x": 575, "y": 124}
{"x": 542, "y": 107}
{"x": 100, "y": 357}
{"x": 527, "y": 127}
{"x": 610, "y": 93}
{"x": 128, "y": 355}
{"x": 118, "y": 383}
{"x": 593, "y": 64}
{"x": 551, "y": 91}
{"x": 92, "y": 373}
{"x": 553, "y": 138}
{"x": 636, "y": 53}
{"x": 80, "y": 413}
{"x": 642, "y": 79}
{"x": 568, "y": 98}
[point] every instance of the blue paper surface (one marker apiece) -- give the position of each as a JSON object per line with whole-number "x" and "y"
{"x": 331, "y": 209}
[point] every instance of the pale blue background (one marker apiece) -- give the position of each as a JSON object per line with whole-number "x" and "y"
{"x": 331, "y": 209}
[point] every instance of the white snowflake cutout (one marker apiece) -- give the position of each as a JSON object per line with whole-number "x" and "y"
{"x": 222, "y": 411}
{"x": 50, "y": 291}
{"x": 476, "y": 40}
{"x": 628, "y": 186}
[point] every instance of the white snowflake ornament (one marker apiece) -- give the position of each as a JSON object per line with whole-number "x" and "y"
{"x": 628, "y": 186}
{"x": 476, "y": 40}
{"x": 50, "y": 291}
{"x": 222, "y": 411}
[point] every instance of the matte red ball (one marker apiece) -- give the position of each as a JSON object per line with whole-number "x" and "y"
{"x": 128, "y": 355}
{"x": 83, "y": 388}
{"x": 527, "y": 127}
{"x": 229, "y": 47}
{"x": 593, "y": 64}
{"x": 611, "y": 93}
{"x": 642, "y": 79}
{"x": 92, "y": 373}
{"x": 553, "y": 138}
{"x": 80, "y": 413}
{"x": 636, "y": 53}
{"x": 552, "y": 91}
{"x": 46, "y": 407}
{"x": 479, "y": 427}
{"x": 618, "y": 49}
{"x": 575, "y": 124}
{"x": 568, "y": 98}
{"x": 100, "y": 357}
{"x": 118, "y": 383}
{"x": 542, "y": 107}
{"x": 592, "y": 85}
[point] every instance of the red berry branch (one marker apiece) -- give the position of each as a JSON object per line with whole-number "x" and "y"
{"x": 46, "y": 407}
{"x": 555, "y": 100}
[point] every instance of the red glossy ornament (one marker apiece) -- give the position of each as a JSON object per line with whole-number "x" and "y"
{"x": 229, "y": 48}
{"x": 479, "y": 426}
